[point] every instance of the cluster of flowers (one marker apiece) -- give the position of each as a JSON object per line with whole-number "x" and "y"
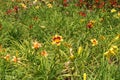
{"x": 93, "y": 4}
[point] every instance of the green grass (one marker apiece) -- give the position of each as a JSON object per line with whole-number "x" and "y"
{"x": 16, "y": 39}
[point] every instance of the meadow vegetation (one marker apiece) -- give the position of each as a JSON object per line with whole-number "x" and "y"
{"x": 59, "y": 40}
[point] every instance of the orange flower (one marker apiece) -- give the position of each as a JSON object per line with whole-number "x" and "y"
{"x": 7, "y": 57}
{"x": 44, "y": 53}
{"x": 15, "y": 59}
{"x": 57, "y": 39}
{"x": 94, "y": 42}
{"x": 36, "y": 45}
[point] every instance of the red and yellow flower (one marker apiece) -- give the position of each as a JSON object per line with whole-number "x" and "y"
{"x": 94, "y": 42}
{"x": 57, "y": 40}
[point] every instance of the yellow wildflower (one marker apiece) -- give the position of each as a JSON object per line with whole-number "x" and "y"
{"x": 23, "y": 5}
{"x": 112, "y": 51}
{"x": 94, "y": 42}
{"x": 49, "y": 5}
{"x": 113, "y": 10}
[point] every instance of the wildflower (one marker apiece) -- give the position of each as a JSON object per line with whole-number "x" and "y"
{"x": 23, "y": 5}
{"x": 49, "y": 5}
{"x": 36, "y": 45}
{"x": 35, "y": 1}
{"x": 82, "y": 14}
{"x": 101, "y": 5}
{"x": 16, "y": 9}
{"x": 9, "y": 11}
{"x": 113, "y": 10}
{"x": 113, "y": 3}
{"x": 7, "y": 57}
{"x": 90, "y": 24}
{"x": 65, "y": 3}
{"x": 84, "y": 76}
{"x": 96, "y": 1}
{"x": 112, "y": 51}
{"x": 80, "y": 49}
{"x": 15, "y": 59}
{"x": 44, "y": 53}
{"x": 94, "y": 42}
{"x": 57, "y": 40}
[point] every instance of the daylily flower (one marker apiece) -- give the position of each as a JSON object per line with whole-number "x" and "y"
{"x": 23, "y": 5}
{"x": 16, "y": 9}
{"x": 94, "y": 42}
{"x": 36, "y": 45}
{"x": 44, "y": 53}
{"x": 57, "y": 40}
{"x": 90, "y": 24}
{"x": 7, "y": 57}
{"x": 15, "y": 59}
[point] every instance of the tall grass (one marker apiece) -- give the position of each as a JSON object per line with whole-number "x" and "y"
{"x": 20, "y": 60}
